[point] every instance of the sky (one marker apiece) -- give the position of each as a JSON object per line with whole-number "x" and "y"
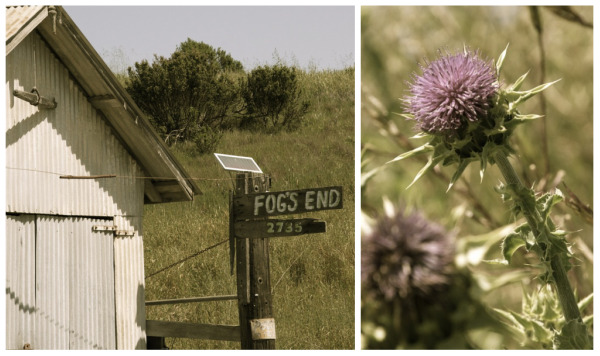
{"x": 320, "y": 37}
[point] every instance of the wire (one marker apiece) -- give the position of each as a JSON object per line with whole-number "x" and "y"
{"x": 186, "y": 258}
{"x": 68, "y": 176}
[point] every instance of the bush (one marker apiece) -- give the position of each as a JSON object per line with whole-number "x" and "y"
{"x": 273, "y": 99}
{"x": 207, "y": 139}
{"x": 194, "y": 89}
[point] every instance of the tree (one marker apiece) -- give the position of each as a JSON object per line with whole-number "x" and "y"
{"x": 191, "y": 93}
{"x": 273, "y": 98}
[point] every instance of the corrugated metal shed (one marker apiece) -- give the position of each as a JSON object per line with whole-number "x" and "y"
{"x": 70, "y": 285}
{"x": 75, "y": 138}
{"x": 106, "y": 95}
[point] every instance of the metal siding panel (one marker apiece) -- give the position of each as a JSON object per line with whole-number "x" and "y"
{"x": 72, "y": 139}
{"x": 129, "y": 286}
{"x": 20, "y": 281}
{"x": 52, "y": 283}
{"x": 92, "y": 304}
{"x": 74, "y": 285}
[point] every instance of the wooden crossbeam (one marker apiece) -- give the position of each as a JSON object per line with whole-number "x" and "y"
{"x": 191, "y": 300}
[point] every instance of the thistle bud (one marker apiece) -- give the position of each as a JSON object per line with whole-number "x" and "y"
{"x": 406, "y": 256}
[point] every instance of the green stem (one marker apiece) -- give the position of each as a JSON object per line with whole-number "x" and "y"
{"x": 561, "y": 280}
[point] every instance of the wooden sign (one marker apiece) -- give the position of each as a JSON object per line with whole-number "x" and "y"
{"x": 278, "y": 228}
{"x": 258, "y": 205}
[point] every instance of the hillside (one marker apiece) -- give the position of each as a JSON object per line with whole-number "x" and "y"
{"x": 312, "y": 276}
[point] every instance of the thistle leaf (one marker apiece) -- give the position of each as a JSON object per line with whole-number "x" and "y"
{"x": 559, "y": 244}
{"x": 509, "y": 320}
{"x": 589, "y": 320}
{"x": 547, "y": 201}
{"x": 496, "y": 261}
{"x": 540, "y": 332}
{"x": 520, "y": 237}
{"x": 406, "y": 116}
{"x": 365, "y": 177}
{"x": 521, "y": 117}
{"x": 511, "y": 244}
{"x": 508, "y": 278}
{"x": 501, "y": 61}
{"x": 432, "y": 162}
{"x": 585, "y": 302}
{"x": 517, "y": 84}
{"x": 486, "y": 153}
{"x": 482, "y": 169}
{"x": 459, "y": 171}
{"x": 420, "y": 135}
{"x": 510, "y": 96}
{"x": 526, "y": 95}
{"x": 523, "y": 320}
{"x": 425, "y": 148}
{"x": 573, "y": 336}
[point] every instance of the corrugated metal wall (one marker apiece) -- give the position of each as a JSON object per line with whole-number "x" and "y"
{"x": 129, "y": 286}
{"x": 20, "y": 280}
{"x": 61, "y": 283}
{"x": 64, "y": 286}
{"x": 91, "y": 289}
{"x": 72, "y": 139}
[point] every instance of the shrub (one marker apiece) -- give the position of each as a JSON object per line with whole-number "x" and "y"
{"x": 194, "y": 89}
{"x": 273, "y": 99}
{"x": 207, "y": 139}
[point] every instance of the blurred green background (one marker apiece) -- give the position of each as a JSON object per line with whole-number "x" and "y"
{"x": 550, "y": 43}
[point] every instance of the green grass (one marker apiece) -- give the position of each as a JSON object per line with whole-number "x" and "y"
{"x": 312, "y": 276}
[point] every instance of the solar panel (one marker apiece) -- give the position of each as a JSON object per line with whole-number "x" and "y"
{"x": 238, "y": 163}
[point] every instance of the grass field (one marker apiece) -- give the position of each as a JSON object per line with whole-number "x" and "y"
{"x": 312, "y": 276}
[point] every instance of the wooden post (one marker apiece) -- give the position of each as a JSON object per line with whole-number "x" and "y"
{"x": 253, "y": 277}
{"x": 156, "y": 343}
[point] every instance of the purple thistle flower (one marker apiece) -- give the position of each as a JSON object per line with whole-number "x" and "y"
{"x": 405, "y": 256}
{"x": 453, "y": 90}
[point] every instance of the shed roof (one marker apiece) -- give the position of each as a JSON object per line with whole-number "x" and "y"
{"x": 170, "y": 181}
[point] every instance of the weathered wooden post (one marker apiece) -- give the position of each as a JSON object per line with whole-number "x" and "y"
{"x": 251, "y": 207}
{"x": 257, "y": 325}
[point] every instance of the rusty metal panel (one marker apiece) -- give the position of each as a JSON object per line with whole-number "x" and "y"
{"x": 129, "y": 285}
{"x": 73, "y": 139}
{"x": 20, "y": 281}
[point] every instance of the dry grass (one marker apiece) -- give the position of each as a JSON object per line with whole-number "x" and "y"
{"x": 312, "y": 276}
